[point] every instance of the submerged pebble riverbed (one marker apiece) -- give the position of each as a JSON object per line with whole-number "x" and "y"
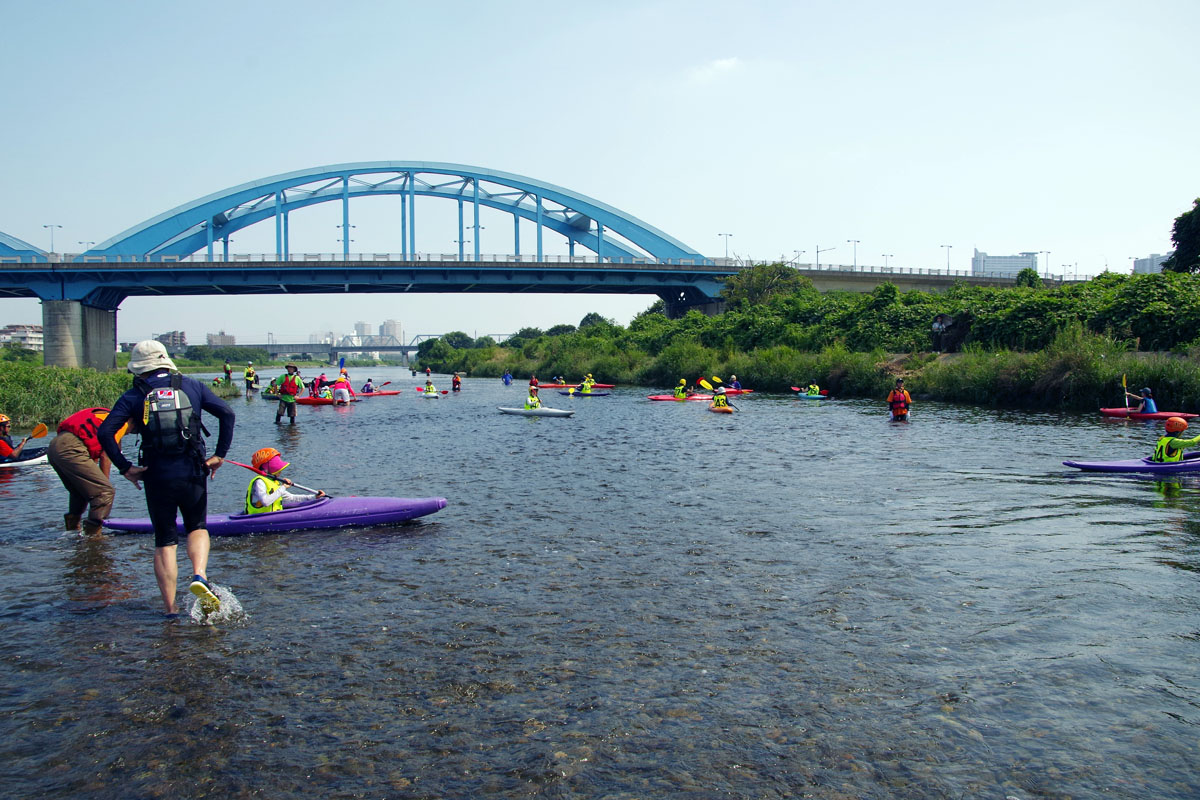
{"x": 645, "y": 600}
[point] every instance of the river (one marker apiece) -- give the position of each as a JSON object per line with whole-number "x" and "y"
{"x": 645, "y": 600}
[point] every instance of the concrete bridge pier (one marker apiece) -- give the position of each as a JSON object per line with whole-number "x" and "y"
{"x": 79, "y": 335}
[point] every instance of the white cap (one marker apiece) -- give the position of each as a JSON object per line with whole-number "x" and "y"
{"x": 149, "y": 356}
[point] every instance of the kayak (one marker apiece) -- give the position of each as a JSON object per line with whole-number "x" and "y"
{"x": 29, "y": 457}
{"x": 328, "y": 512}
{"x": 378, "y": 392}
{"x": 720, "y": 409}
{"x": 738, "y": 391}
{"x": 1129, "y": 413}
{"x": 1190, "y": 463}
{"x": 673, "y": 397}
{"x": 812, "y": 397}
{"x": 429, "y": 395}
{"x": 569, "y": 385}
{"x": 269, "y": 396}
{"x": 320, "y": 401}
{"x": 586, "y": 394}
{"x": 537, "y": 412}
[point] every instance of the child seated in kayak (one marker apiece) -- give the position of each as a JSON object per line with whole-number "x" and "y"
{"x": 430, "y": 388}
{"x": 533, "y": 401}
{"x": 368, "y": 387}
{"x": 681, "y": 391}
{"x": 1146, "y": 404}
{"x": 325, "y": 392}
{"x": 719, "y": 399}
{"x": 267, "y": 492}
{"x": 1170, "y": 447}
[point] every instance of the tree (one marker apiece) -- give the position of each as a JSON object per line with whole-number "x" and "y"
{"x": 1029, "y": 277}
{"x": 1186, "y": 236}
{"x": 559, "y": 330}
{"x": 759, "y": 284}
{"x": 458, "y": 339}
{"x": 593, "y": 318}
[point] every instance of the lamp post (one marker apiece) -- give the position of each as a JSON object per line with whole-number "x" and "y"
{"x": 855, "y": 243}
{"x": 1046, "y": 260}
{"x": 947, "y": 246}
{"x": 1132, "y": 264}
{"x": 52, "y": 227}
{"x": 726, "y": 235}
{"x": 798, "y": 254}
{"x": 817, "y": 255}
{"x": 86, "y": 245}
{"x": 886, "y": 256}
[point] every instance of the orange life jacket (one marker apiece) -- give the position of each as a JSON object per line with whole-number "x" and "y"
{"x": 898, "y": 400}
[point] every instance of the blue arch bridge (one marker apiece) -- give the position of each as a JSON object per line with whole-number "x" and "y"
{"x": 185, "y": 251}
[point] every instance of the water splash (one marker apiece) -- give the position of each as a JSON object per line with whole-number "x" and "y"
{"x": 231, "y": 610}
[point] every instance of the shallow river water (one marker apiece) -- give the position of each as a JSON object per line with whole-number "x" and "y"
{"x": 644, "y": 600}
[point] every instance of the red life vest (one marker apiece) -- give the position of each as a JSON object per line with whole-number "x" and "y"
{"x": 898, "y": 402}
{"x": 291, "y": 384}
{"x": 84, "y": 424}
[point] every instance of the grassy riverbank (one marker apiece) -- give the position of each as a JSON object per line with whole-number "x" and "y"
{"x": 31, "y": 394}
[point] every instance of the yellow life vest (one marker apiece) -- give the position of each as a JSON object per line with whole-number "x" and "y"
{"x": 1164, "y": 453}
{"x": 272, "y": 487}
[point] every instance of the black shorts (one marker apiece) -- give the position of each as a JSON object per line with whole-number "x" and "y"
{"x": 188, "y": 496}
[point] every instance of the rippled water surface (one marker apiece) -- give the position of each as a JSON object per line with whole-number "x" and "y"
{"x": 645, "y": 600}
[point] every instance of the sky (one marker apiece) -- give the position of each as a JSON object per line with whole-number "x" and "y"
{"x": 1066, "y": 127}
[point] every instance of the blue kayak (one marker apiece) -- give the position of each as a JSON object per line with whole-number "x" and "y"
{"x": 578, "y": 393}
{"x": 1190, "y": 463}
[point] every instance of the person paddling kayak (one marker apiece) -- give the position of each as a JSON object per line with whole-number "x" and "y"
{"x": 1170, "y": 447}
{"x": 681, "y": 391}
{"x": 533, "y": 401}
{"x": 719, "y": 399}
{"x": 8, "y": 450}
{"x": 1146, "y": 404}
{"x": 268, "y": 492}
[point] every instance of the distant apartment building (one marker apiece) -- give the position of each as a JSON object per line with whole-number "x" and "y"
{"x": 390, "y": 327}
{"x": 362, "y": 329}
{"x": 26, "y": 336}
{"x": 221, "y": 339}
{"x": 1149, "y": 266}
{"x": 323, "y": 337}
{"x": 173, "y": 340}
{"x": 1002, "y": 266}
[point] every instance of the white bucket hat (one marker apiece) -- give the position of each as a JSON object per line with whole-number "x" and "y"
{"x": 149, "y": 356}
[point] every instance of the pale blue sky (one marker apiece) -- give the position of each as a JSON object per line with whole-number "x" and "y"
{"x": 1060, "y": 126}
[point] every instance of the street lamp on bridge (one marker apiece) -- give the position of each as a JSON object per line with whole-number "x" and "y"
{"x": 86, "y": 245}
{"x": 886, "y": 256}
{"x": 855, "y": 242}
{"x": 726, "y": 235}
{"x": 1045, "y": 261}
{"x": 798, "y": 253}
{"x": 947, "y": 246}
{"x": 817, "y": 255}
{"x": 52, "y": 227}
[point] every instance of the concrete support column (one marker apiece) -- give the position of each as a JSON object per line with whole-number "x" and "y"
{"x": 77, "y": 335}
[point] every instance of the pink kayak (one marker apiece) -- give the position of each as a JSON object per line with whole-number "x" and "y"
{"x": 1129, "y": 413}
{"x": 673, "y": 397}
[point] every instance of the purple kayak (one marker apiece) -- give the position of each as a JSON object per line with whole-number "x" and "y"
{"x": 328, "y": 512}
{"x": 1190, "y": 463}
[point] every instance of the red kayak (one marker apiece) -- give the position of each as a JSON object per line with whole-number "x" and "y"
{"x": 738, "y": 391}
{"x": 321, "y": 401}
{"x": 1129, "y": 413}
{"x": 673, "y": 397}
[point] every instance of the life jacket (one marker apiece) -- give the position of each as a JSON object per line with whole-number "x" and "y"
{"x": 814, "y": 389}
{"x": 249, "y": 373}
{"x": 680, "y": 392}
{"x": 326, "y": 393}
{"x": 899, "y": 402}
{"x": 84, "y": 425}
{"x": 272, "y": 487}
{"x": 170, "y": 425}
{"x": 1164, "y": 453}
{"x": 533, "y": 402}
{"x": 1149, "y": 407}
{"x": 290, "y": 384}
{"x": 720, "y": 401}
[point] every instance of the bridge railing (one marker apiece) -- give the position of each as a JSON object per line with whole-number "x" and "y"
{"x": 82, "y": 259}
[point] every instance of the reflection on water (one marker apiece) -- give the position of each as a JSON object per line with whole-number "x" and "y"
{"x": 643, "y": 600}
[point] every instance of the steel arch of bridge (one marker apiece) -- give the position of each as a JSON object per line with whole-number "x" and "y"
{"x": 203, "y": 223}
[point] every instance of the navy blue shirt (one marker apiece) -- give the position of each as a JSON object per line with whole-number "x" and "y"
{"x": 129, "y": 407}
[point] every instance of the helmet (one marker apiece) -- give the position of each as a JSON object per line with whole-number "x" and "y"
{"x": 1146, "y": 391}
{"x": 249, "y": 363}
{"x": 683, "y": 381}
{"x": 720, "y": 390}
{"x": 1176, "y": 425}
{"x": 268, "y": 460}
{"x": 4, "y": 419}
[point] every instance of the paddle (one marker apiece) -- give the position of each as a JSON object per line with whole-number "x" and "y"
{"x": 1125, "y": 389}
{"x": 38, "y": 431}
{"x": 706, "y": 384}
{"x": 272, "y": 477}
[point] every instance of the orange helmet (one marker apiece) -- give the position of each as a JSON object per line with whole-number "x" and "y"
{"x": 4, "y": 419}
{"x": 268, "y": 460}
{"x": 1176, "y": 424}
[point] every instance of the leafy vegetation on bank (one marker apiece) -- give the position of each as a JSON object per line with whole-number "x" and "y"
{"x": 1026, "y": 346}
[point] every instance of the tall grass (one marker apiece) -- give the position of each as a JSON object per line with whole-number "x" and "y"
{"x": 31, "y": 394}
